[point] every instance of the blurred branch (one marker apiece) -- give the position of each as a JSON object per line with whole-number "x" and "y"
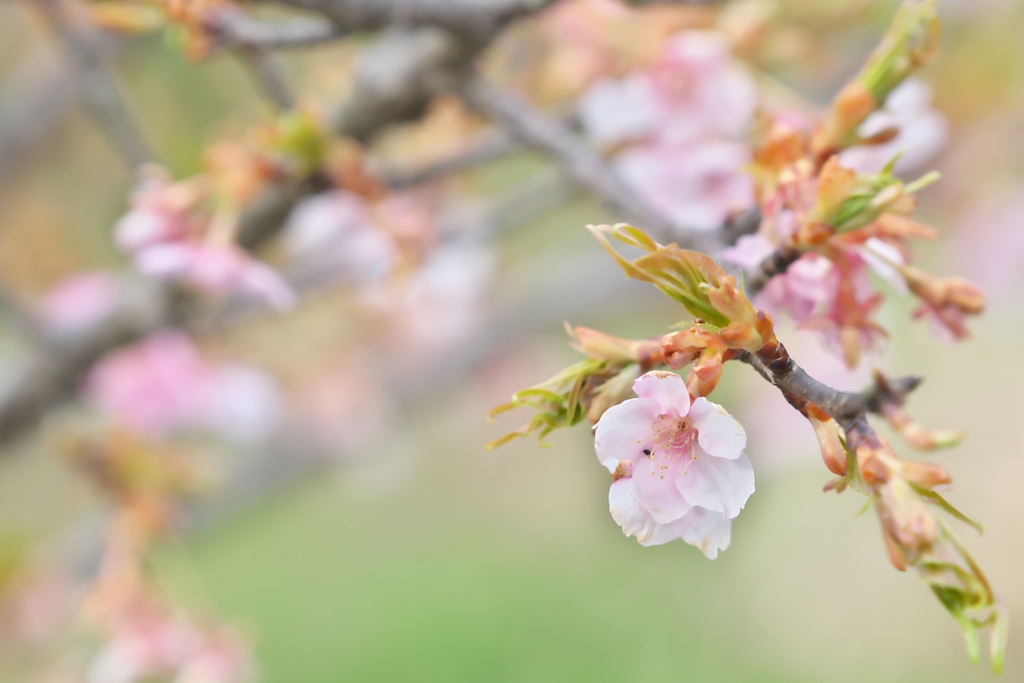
{"x": 97, "y": 86}
{"x": 33, "y": 98}
{"x": 489, "y": 146}
{"x": 585, "y": 166}
{"x": 473, "y": 20}
{"x": 394, "y": 81}
{"x": 240, "y": 29}
{"x": 268, "y": 74}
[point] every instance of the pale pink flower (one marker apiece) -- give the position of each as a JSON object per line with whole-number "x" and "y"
{"x": 694, "y": 90}
{"x": 163, "y": 384}
{"x": 78, "y": 302}
{"x": 335, "y": 229}
{"x": 681, "y": 469}
{"x": 438, "y": 305}
{"x": 922, "y": 132}
{"x": 801, "y": 290}
{"x": 148, "y": 645}
{"x": 161, "y": 211}
{"x": 217, "y": 269}
{"x": 698, "y": 185}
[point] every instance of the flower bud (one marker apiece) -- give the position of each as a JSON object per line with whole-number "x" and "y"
{"x": 911, "y": 42}
{"x": 830, "y": 439}
{"x": 601, "y": 346}
{"x": 906, "y": 515}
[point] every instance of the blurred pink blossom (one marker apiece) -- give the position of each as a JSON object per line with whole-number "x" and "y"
{"x": 680, "y": 468}
{"x": 160, "y": 212}
{"x": 439, "y": 304}
{"x": 990, "y": 246}
{"x": 336, "y": 229}
{"x": 697, "y": 184}
{"x": 695, "y": 90}
{"x": 217, "y": 269}
{"x": 78, "y": 301}
{"x": 922, "y": 132}
{"x": 163, "y": 384}
{"x": 148, "y": 645}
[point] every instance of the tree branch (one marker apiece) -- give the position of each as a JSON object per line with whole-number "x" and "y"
{"x": 580, "y": 162}
{"x": 846, "y": 407}
{"x": 241, "y": 29}
{"x": 97, "y": 85}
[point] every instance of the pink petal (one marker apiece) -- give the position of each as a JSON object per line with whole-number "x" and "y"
{"x": 665, "y": 388}
{"x": 718, "y": 432}
{"x": 709, "y": 531}
{"x": 718, "y": 484}
{"x": 624, "y": 431}
{"x": 654, "y": 487}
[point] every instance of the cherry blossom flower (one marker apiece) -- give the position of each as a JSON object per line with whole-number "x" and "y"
{"x": 150, "y": 644}
{"x": 78, "y": 302}
{"x": 922, "y": 131}
{"x": 436, "y": 306}
{"x": 694, "y": 90}
{"x": 161, "y": 211}
{"x": 163, "y": 384}
{"x": 217, "y": 269}
{"x": 680, "y": 467}
{"x": 336, "y": 230}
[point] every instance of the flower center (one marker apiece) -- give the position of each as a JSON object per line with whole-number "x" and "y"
{"x": 672, "y": 444}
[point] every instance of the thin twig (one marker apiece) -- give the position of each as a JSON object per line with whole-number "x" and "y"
{"x": 240, "y": 29}
{"x": 488, "y": 147}
{"x": 580, "y": 162}
{"x": 33, "y": 99}
{"x": 268, "y": 74}
{"x": 97, "y": 85}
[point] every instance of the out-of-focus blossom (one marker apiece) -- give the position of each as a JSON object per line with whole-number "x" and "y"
{"x": 217, "y": 269}
{"x": 847, "y": 320}
{"x": 336, "y": 229}
{"x": 78, "y": 302}
{"x": 801, "y": 290}
{"x": 163, "y": 384}
{"x": 698, "y": 185}
{"x": 679, "y": 468}
{"x": 922, "y": 132}
{"x": 439, "y": 304}
{"x": 990, "y": 244}
{"x": 148, "y": 644}
{"x": 694, "y": 90}
{"x": 161, "y": 211}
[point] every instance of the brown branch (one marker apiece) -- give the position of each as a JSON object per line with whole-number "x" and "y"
{"x": 846, "y": 407}
{"x": 774, "y": 264}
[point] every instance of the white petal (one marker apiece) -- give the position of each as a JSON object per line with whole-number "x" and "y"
{"x": 624, "y": 431}
{"x": 627, "y": 513}
{"x": 717, "y": 484}
{"x": 718, "y": 432}
{"x": 709, "y": 531}
{"x": 666, "y": 388}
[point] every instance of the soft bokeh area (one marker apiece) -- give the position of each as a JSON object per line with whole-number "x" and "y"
{"x": 343, "y": 521}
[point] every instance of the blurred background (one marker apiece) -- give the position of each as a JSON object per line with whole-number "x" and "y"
{"x": 344, "y": 521}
